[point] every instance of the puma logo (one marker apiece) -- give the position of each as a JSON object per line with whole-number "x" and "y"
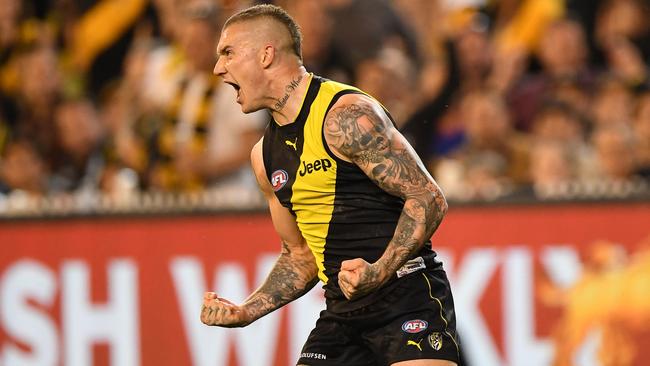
{"x": 416, "y": 344}
{"x": 292, "y": 144}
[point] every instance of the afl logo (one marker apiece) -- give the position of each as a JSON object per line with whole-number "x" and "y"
{"x": 414, "y": 326}
{"x": 278, "y": 179}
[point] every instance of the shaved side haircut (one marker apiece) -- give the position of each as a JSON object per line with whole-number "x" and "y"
{"x": 275, "y": 13}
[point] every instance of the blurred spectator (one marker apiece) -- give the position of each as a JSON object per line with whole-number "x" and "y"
{"x": 493, "y": 155}
{"x": 4, "y": 133}
{"x": 575, "y": 96}
{"x": 390, "y": 77}
{"x": 613, "y": 103}
{"x": 9, "y": 41}
{"x": 519, "y": 27}
{"x": 474, "y": 53}
{"x": 615, "y": 147}
{"x": 38, "y": 89}
{"x": 563, "y": 56}
{"x": 624, "y": 19}
{"x": 626, "y": 63}
{"x": 22, "y": 169}
{"x": 563, "y": 50}
{"x": 508, "y": 67}
{"x": 167, "y": 16}
{"x": 125, "y": 158}
{"x": 428, "y": 19}
{"x": 553, "y": 165}
{"x": 204, "y": 137}
{"x": 353, "y": 40}
{"x": 316, "y": 34}
{"x": 642, "y": 131}
{"x": 81, "y": 144}
{"x": 9, "y": 16}
{"x": 463, "y": 66}
{"x": 130, "y": 119}
{"x": 39, "y": 80}
{"x": 560, "y": 122}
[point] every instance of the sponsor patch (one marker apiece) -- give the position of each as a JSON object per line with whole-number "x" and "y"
{"x": 278, "y": 179}
{"x": 435, "y": 340}
{"x": 411, "y": 266}
{"x": 314, "y": 166}
{"x": 414, "y": 326}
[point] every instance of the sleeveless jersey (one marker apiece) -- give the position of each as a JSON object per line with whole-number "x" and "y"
{"x": 340, "y": 212}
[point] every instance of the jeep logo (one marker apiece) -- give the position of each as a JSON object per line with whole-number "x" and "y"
{"x": 308, "y": 168}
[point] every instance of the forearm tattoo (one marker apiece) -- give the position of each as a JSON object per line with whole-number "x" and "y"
{"x": 358, "y": 132}
{"x": 291, "y": 277}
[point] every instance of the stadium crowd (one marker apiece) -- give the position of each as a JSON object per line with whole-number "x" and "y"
{"x": 501, "y": 99}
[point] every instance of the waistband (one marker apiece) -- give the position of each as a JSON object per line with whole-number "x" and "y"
{"x": 425, "y": 261}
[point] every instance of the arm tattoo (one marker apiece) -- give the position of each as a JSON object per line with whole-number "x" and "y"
{"x": 368, "y": 139}
{"x": 291, "y": 277}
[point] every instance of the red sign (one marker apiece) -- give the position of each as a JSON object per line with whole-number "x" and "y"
{"x": 533, "y": 285}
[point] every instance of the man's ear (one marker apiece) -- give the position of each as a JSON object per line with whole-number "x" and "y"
{"x": 267, "y": 55}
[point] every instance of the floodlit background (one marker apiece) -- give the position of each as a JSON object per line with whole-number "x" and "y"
{"x": 125, "y": 187}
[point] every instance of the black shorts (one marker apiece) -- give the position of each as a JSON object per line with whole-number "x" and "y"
{"x": 413, "y": 320}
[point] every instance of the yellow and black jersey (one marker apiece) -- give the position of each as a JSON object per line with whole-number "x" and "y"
{"x": 340, "y": 212}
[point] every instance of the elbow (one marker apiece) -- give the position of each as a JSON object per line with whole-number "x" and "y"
{"x": 437, "y": 205}
{"x": 442, "y": 204}
{"x": 429, "y": 207}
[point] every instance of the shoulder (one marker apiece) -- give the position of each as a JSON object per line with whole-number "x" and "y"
{"x": 257, "y": 158}
{"x": 257, "y": 163}
{"x": 356, "y": 123}
{"x": 354, "y": 106}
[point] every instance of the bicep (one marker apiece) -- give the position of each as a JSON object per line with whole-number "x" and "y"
{"x": 285, "y": 224}
{"x": 283, "y": 221}
{"x": 359, "y": 130}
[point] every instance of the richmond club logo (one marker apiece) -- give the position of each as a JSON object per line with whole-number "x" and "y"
{"x": 278, "y": 179}
{"x": 414, "y": 326}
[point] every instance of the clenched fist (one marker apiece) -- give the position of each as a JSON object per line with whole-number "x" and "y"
{"x": 358, "y": 277}
{"x": 221, "y": 312}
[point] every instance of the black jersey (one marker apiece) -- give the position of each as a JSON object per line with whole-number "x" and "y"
{"x": 340, "y": 212}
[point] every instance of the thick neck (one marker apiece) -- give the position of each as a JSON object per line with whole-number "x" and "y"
{"x": 287, "y": 93}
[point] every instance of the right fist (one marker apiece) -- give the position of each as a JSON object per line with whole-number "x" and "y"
{"x": 221, "y": 312}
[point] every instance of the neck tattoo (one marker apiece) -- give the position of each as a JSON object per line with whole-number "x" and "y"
{"x": 290, "y": 88}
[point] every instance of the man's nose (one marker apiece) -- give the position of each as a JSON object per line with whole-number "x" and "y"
{"x": 219, "y": 69}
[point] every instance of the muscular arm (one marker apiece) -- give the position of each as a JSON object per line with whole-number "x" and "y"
{"x": 293, "y": 275}
{"x": 358, "y": 130}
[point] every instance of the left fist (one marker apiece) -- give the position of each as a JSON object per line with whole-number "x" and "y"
{"x": 358, "y": 278}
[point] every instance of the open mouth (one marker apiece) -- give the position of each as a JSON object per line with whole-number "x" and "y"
{"x": 236, "y": 87}
{"x": 233, "y": 85}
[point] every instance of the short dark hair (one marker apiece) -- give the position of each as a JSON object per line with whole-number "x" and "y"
{"x": 276, "y": 13}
